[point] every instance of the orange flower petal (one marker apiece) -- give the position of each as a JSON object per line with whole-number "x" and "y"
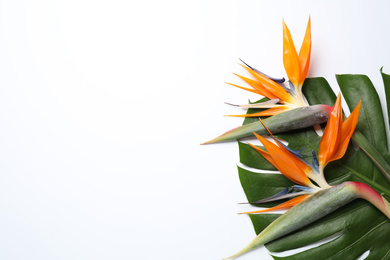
{"x": 347, "y": 131}
{"x": 271, "y": 86}
{"x": 257, "y": 86}
{"x": 284, "y": 205}
{"x": 304, "y": 55}
{"x": 263, "y": 153}
{"x": 244, "y": 88}
{"x": 330, "y": 139}
{"x": 290, "y": 57}
{"x": 289, "y": 165}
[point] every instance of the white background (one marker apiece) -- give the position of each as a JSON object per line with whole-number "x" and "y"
{"x": 103, "y": 105}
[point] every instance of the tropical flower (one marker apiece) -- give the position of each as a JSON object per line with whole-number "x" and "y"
{"x": 312, "y": 197}
{"x": 282, "y": 95}
{"x": 290, "y": 163}
{"x": 286, "y": 108}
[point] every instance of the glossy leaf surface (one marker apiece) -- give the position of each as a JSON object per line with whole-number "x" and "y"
{"x": 357, "y": 227}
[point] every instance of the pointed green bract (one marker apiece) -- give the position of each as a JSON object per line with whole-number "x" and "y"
{"x": 291, "y": 120}
{"x": 315, "y": 207}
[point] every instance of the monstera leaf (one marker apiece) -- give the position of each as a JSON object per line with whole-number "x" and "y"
{"x": 357, "y": 227}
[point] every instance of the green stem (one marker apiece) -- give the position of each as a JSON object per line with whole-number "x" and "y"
{"x": 368, "y": 181}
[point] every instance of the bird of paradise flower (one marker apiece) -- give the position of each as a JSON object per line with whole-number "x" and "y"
{"x": 313, "y": 200}
{"x": 282, "y": 95}
{"x": 286, "y": 108}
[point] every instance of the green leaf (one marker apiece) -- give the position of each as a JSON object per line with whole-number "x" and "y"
{"x": 261, "y": 221}
{"x": 251, "y": 158}
{"x": 262, "y": 184}
{"x": 386, "y": 83}
{"x": 371, "y": 124}
{"x": 303, "y": 214}
{"x": 359, "y": 227}
{"x": 318, "y": 91}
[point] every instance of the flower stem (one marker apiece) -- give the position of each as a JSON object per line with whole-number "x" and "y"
{"x": 368, "y": 181}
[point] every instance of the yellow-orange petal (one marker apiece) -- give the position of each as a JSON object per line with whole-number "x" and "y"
{"x": 284, "y": 205}
{"x": 304, "y": 55}
{"x": 347, "y": 131}
{"x": 257, "y": 86}
{"x": 331, "y": 138}
{"x": 244, "y": 88}
{"x": 290, "y": 57}
{"x": 287, "y": 163}
{"x": 271, "y": 86}
{"x": 263, "y": 153}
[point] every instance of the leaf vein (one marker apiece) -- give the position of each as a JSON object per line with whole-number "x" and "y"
{"x": 362, "y": 237}
{"x": 386, "y": 255}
